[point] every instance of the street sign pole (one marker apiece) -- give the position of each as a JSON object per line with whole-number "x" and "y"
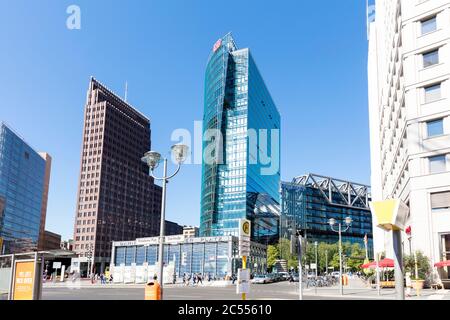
{"x": 244, "y": 266}
{"x": 300, "y": 268}
{"x": 244, "y": 251}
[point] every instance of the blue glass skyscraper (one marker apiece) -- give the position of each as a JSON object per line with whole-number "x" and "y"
{"x": 241, "y": 148}
{"x": 22, "y": 185}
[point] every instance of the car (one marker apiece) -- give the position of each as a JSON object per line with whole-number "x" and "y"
{"x": 295, "y": 277}
{"x": 276, "y": 277}
{"x": 261, "y": 279}
{"x": 335, "y": 274}
{"x": 284, "y": 276}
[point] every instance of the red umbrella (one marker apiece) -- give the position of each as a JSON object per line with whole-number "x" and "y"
{"x": 385, "y": 263}
{"x": 442, "y": 264}
{"x": 369, "y": 265}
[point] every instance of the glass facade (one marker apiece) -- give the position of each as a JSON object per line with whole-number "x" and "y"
{"x": 22, "y": 175}
{"x": 234, "y": 183}
{"x": 306, "y": 208}
{"x": 214, "y": 256}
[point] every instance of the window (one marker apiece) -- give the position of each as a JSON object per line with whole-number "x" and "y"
{"x": 440, "y": 201}
{"x": 429, "y": 25}
{"x": 435, "y": 128}
{"x": 431, "y": 58}
{"x": 437, "y": 164}
{"x": 432, "y": 93}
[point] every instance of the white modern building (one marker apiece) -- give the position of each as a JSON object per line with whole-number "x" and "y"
{"x": 409, "y": 106}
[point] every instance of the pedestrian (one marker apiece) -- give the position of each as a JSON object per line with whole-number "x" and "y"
{"x": 102, "y": 278}
{"x": 200, "y": 279}
{"x": 188, "y": 281}
{"x": 111, "y": 278}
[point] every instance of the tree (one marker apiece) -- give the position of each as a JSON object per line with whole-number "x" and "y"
{"x": 423, "y": 265}
{"x": 272, "y": 256}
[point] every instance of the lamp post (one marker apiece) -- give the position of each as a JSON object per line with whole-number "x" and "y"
{"x": 153, "y": 159}
{"x": 300, "y": 233}
{"x": 333, "y": 222}
{"x": 316, "y": 244}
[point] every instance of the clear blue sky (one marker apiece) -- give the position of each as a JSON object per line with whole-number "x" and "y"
{"x": 312, "y": 55}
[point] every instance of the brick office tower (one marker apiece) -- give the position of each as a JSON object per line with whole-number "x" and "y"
{"x": 117, "y": 199}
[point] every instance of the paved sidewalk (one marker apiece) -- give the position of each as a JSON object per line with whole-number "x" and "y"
{"x": 87, "y": 284}
{"x": 358, "y": 290}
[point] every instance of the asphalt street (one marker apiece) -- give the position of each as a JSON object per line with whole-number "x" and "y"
{"x": 276, "y": 291}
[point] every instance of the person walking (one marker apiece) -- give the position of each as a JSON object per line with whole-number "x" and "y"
{"x": 200, "y": 280}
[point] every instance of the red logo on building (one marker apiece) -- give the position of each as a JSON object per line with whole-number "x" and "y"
{"x": 217, "y": 45}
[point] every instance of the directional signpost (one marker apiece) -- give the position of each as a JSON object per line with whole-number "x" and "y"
{"x": 391, "y": 215}
{"x": 243, "y": 283}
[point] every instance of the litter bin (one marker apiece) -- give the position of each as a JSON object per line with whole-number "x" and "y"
{"x": 152, "y": 291}
{"x": 345, "y": 280}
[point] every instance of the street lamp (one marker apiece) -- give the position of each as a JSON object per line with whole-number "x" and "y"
{"x": 316, "y": 244}
{"x": 333, "y": 222}
{"x": 300, "y": 233}
{"x": 153, "y": 159}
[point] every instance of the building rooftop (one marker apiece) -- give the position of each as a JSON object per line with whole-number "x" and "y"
{"x": 350, "y": 193}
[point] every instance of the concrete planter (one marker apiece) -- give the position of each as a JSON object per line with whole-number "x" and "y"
{"x": 418, "y": 284}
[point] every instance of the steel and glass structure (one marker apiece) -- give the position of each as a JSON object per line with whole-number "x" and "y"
{"x": 240, "y": 119}
{"x": 22, "y": 187}
{"x": 217, "y": 257}
{"x": 311, "y": 200}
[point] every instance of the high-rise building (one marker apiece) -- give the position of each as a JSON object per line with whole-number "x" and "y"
{"x": 172, "y": 228}
{"x": 117, "y": 199}
{"x": 240, "y": 121}
{"x": 191, "y": 232}
{"x": 24, "y": 181}
{"x": 52, "y": 241}
{"x": 48, "y": 166}
{"x": 310, "y": 201}
{"x": 409, "y": 106}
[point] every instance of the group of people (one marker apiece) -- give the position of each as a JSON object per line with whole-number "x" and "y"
{"x": 102, "y": 277}
{"x": 194, "y": 278}
{"x": 197, "y": 278}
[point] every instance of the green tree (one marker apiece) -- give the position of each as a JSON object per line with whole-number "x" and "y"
{"x": 272, "y": 256}
{"x": 423, "y": 265}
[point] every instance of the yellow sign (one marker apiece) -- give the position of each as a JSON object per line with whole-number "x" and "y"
{"x": 24, "y": 280}
{"x": 1, "y": 245}
{"x": 390, "y": 214}
{"x": 246, "y": 228}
